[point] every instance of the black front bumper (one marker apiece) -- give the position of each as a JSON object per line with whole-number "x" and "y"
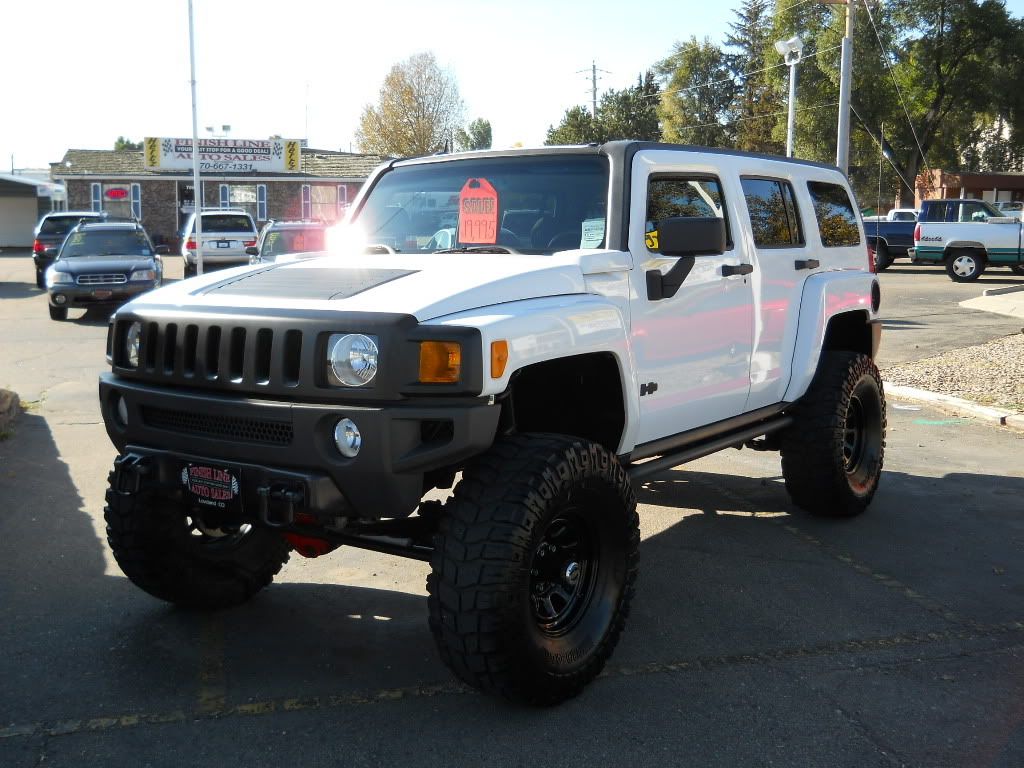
{"x": 90, "y": 295}
{"x": 290, "y": 444}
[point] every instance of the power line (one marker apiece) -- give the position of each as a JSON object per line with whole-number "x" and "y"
{"x": 740, "y": 76}
{"x": 758, "y": 117}
{"x": 885, "y": 58}
{"x": 881, "y": 150}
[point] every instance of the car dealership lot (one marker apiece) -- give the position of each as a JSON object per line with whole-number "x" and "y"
{"x": 758, "y": 635}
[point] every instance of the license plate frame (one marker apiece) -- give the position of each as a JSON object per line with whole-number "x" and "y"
{"x": 102, "y": 293}
{"x": 213, "y": 486}
{"x": 223, "y": 243}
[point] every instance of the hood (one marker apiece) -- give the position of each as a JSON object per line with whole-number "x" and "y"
{"x": 423, "y": 285}
{"x": 84, "y": 265}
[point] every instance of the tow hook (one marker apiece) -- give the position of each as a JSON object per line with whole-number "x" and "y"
{"x": 128, "y": 473}
{"x": 278, "y": 503}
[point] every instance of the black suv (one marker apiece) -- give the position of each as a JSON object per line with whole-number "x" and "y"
{"x": 278, "y": 238}
{"x": 50, "y": 233}
{"x": 103, "y": 263}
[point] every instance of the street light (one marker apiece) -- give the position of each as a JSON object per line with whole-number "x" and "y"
{"x": 791, "y": 50}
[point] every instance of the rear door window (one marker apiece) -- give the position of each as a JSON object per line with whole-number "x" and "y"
{"x": 773, "y": 213}
{"x": 837, "y": 218}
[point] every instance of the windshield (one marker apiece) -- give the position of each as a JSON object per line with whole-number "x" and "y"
{"x": 293, "y": 240}
{"x": 534, "y": 204}
{"x": 106, "y": 243}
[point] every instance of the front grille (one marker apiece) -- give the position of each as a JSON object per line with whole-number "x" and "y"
{"x": 112, "y": 279}
{"x": 262, "y": 431}
{"x": 236, "y": 356}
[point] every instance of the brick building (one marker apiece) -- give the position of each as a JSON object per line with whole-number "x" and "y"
{"x": 120, "y": 182}
{"x": 991, "y": 187}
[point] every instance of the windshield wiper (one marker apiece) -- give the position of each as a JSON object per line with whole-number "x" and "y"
{"x": 479, "y": 249}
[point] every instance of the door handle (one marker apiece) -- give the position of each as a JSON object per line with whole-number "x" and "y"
{"x": 739, "y": 269}
{"x": 806, "y": 264}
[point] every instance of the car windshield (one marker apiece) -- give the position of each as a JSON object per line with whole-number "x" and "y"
{"x": 58, "y": 225}
{"x": 106, "y": 242}
{"x": 534, "y": 204}
{"x": 293, "y": 240}
{"x": 226, "y": 223}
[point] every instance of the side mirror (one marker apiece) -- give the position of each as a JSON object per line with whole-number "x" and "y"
{"x": 686, "y": 237}
{"x": 161, "y": 250}
{"x": 252, "y": 250}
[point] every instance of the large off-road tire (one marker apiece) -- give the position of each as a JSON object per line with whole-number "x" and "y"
{"x": 832, "y": 455}
{"x": 57, "y": 313}
{"x": 167, "y": 552}
{"x": 534, "y": 567}
{"x": 964, "y": 266}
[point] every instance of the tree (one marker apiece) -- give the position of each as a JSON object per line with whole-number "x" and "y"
{"x": 577, "y": 127}
{"x": 122, "y": 143}
{"x": 757, "y": 99}
{"x": 631, "y": 113}
{"x": 418, "y": 111}
{"x": 698, "y": 94}
{"x": 476, "y": 135}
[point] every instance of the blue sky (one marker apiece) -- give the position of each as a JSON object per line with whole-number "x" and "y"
{"x": 93, "y": 71}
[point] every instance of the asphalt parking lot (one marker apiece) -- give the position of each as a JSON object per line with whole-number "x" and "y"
{"x": 759, "y": 636}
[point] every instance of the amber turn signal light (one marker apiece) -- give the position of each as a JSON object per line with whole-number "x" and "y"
{"x": 499, "y": 358}
{"x": 440, "y": 362}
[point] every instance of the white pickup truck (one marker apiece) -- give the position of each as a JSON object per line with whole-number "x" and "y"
{"x": 967, "y": 236}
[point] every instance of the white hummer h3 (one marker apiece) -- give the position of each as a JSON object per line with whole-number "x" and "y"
{"x": 542, "y": 329}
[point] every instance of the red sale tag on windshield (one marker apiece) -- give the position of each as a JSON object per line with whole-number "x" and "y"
{"x": 478, "y": 212}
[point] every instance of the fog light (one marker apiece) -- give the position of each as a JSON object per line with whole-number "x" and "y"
{"x": 60, "y": 299}
{"x": 347, "y": 437}
{"x": 122, "y": 411}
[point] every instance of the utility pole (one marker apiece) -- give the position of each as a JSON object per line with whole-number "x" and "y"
{"x": 593, "y": 85}
{"x": 197, "y": 193}
{"x": 845, "y": 82}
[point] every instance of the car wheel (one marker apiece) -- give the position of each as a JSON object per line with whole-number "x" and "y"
{"x": 190, "y": 270}
{"x": 58, "y": 313}
{"x": 832, "y": 454}
{"x": 1017, "y": 269}
{"x": 533, "y": 568}
{"x": 172, "y": 553}
{"x": 40, "y": 279}
{"x": 964, "y": 266}
{"x": 882, "y": 258}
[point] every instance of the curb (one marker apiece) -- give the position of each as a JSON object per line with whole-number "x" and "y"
{"x": 1001, "y": 291}
{"x": 10, "y": 407}
{"x": 998, "y": 416}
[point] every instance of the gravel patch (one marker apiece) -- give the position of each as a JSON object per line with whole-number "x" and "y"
{"x": 990, "y": 374}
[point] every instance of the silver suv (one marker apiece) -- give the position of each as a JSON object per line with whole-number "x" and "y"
{"x": 226, "y": 233}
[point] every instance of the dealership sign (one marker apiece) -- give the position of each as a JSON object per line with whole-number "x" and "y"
{"x": 226, "y": 155}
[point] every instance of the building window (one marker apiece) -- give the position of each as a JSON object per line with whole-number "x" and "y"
{"x": 307, "y": 202}
{"x": 342, "y": 199}
{"x": 118, "y": 199}
{"x": 225, "y": 196}
{"x": 137, "y": 201}
{"x": 241, "y": 196}
{"x": 261, "y": 202}
{"x": 97, "y": 199}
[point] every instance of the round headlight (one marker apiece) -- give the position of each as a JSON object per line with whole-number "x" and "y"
{"x": 353, "y": 359}
{"x": 132, "y": 340}
{"x": 347, "y": 437}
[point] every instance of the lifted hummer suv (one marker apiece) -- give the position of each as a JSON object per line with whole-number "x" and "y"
{"x": 540, "y": 329}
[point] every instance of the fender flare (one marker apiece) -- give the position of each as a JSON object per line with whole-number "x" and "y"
{"x": 826, "y": 295}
